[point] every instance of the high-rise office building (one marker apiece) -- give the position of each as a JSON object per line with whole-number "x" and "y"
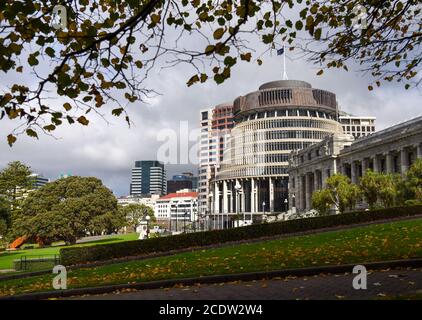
{"x": 186, "y": 180}
{"x": 357, "y": 126}
{"x": 38, "y": 180}
{"x": 215, "y": 124}
{"x": 148, "y": 177}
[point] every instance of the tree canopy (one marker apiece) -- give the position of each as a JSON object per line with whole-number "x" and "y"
{"x": 67, "y": 209}
{"x": 15, "y": 179}
{"x": 342, "y": 193}
{"x": 135, "y": 213}
{"x": 4, "y": 216}
{"x": 107, "y": 49}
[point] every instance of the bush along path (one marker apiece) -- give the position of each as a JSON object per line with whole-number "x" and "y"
{"x": 381, "y": 242}
{"x": 71, "y": 256}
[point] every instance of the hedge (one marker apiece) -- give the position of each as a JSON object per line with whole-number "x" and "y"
{"x": 79, "y": 255}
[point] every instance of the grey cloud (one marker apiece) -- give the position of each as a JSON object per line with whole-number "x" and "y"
{"x": 108, "y": 151}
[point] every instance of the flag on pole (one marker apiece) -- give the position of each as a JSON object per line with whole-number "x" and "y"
{"x": 280, "y": 51}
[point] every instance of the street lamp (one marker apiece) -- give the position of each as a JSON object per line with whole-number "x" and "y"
{"x": 147, "y": 218}
{"x": 238, "y": 188}
{"x": 285, "y": 204}
{"x": 263, "y": 206}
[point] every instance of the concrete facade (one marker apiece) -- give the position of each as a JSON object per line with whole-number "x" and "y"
{"x": 281, "y": 116}
{"x": 392, "y": 150}
{"x": 357, "y": 126}
{"x": 216, "y": 124}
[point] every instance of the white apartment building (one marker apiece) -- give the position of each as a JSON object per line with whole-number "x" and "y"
{"x": 148, "y": 201}
{"x": 177, "y": 211}
{"x": 357, "y": 126}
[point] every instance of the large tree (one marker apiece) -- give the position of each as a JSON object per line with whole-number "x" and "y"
{"x": 65, "y": 210}
{"x": 379, "y": 189}
{"x": 106, "y": 50}
{"x": 4, "y": 216}
{"x": 135, "y": 213}
{"x": 342, "y": 192}
{"x": 410, "y": 188}
{"x": 15, "y": 179}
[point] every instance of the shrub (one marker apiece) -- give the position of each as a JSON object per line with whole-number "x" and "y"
{"x": 322, "y": 202}
{"x": 78, "y": 255}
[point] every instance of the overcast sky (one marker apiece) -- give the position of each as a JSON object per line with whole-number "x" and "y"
{"x": 108, "y": 151}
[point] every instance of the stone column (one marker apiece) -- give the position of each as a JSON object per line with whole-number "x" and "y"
{"x": 242, "y": 197}
{"x": 376, "y": 164}
{"x": 233, "y": 207}
{"x": 419, "y": 151}
{"x": 316, "y": 180}
{"x": 271, "y": 191}
{"x": 365, "y": 165}
{"x": 353, "y": 172}
{"x": 404, "y": 161}
{"x": 308, "y": 192}
{"x": 324, "y": 177}
{"x": 225, "y": 197}
{"x": 298, "y": 192}
{"x": 216, "y": 198}
{"x": 334, "y": 168}
{"x": 253, "y": 191}
{"x": 389, "y": 162}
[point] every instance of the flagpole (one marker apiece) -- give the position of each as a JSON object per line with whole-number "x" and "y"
{"x": 284, "y": 62}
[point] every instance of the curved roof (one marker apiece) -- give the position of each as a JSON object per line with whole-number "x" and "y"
{"x": 285, "y": 84}
{"x": 285, "y": 94}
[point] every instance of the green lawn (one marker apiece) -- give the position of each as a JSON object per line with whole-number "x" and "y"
{"x": 398, "y": 240}
{"x": 7, "y": 257}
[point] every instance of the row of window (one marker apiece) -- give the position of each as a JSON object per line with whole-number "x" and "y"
{"x": 289, "y": 123}
{"x": 253, "y": 171}
{"x": 271, "y": 146}
{"x": 277, "y": 135}
{"x": 358, "y": 128}
{"x": 260, "y": 158}
{"x": 273, "y": 135}
{"x": 288, "y": 113}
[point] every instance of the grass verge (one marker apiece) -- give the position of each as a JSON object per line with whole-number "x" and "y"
{"x": 7, "y": 257}
{"x": 389, "y": 241}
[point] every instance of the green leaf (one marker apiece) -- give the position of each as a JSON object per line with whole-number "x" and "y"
{"x": 32, "y": 60}
{"x": 230, "y": 61}
{"x": 11, "y": 139}
{"x": 218, "y": 34}
{"x": 192, "y": 80}
{"x": 82, "y": 120}
{"x": 317, "y": 34}
{"x": 50, "y": 127}
{"x": 246, "y": 56}
{"x": 50, "y": 52}
{"x": 117, "y": 112}
{"x": 31, "y": 133}
{"x": 209, "y": 49}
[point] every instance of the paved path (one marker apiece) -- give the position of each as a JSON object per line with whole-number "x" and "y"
{"x": 379, "y": 284}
